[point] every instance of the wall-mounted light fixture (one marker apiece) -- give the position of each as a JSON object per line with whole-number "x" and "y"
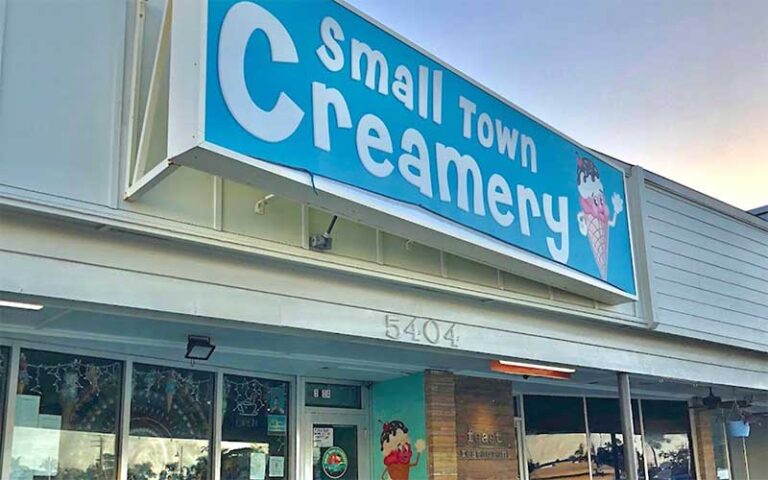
{"x": 199, "y": 348}
{"x": 323, "y": 241}
{"x": 532, "y": 369}
{"x": 260, "y": 208}
{"x": 20, "y": 305}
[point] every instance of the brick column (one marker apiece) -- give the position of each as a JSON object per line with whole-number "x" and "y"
{"x": 441, "y": 425}
{"x": 704, "y": 449}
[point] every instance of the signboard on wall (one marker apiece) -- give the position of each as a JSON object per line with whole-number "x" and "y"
{"x": 485, "y": 429}
{"x": 320, "y": 100}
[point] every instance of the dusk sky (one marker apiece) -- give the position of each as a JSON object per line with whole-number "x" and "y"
{"x": 679, "y": 87}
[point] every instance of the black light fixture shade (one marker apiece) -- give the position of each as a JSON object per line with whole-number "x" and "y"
{"x": 199, "y": 347}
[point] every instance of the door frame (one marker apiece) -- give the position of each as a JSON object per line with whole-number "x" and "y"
{"x": 359, "y": 418}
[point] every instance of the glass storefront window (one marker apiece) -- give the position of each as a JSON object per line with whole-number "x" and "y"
{"x": 556, "y": 439}
{"x": 171, "y": 423}
{"x": 254, "y": 429}
{"x": 667, "y": 440}
{"x": 66, "y": 417}
{"x": 606, "y": 440}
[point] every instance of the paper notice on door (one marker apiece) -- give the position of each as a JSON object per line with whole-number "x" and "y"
{"x": 27, "y": 410}
{"x": 258, "y": 466}
{"x": 323, "y": 437}
{"x": 277, "y": 467}
{"x": 51, "y": 422}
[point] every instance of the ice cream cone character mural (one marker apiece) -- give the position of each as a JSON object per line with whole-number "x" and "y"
{"x": 397, "y": 452}
{"x": 595, "y": 219}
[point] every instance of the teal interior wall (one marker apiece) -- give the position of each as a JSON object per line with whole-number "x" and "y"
{"x": 399, "y": 400}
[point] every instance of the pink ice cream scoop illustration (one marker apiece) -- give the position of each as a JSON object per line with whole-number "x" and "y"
{"x": 396, "y": 451}
{"x": 595, "y": 219}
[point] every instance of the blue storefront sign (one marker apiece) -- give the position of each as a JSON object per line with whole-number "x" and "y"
{"x": 317, "y": 87}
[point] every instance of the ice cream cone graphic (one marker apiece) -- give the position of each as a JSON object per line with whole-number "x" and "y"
{"x": 399, "y": 471}
{"x": 597, "y": 234}
{"x": 396, "y": 451}
{"x": 594, "y": 218}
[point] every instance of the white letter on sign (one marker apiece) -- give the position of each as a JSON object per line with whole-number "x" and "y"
{"x": 330, "y": 52}
{"x": 373, "y": 134}
{"x": 241, "y": 21}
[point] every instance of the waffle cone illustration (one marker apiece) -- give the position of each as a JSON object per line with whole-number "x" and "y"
{"x": 597, "y": 234}
{"x": 595, "y": 218}
{"x": 396, "y": 451}
{"x": 399, "y": 471}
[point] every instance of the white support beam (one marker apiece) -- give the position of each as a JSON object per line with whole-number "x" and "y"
{"x": 218, "y": 203}
{"x": 3, "y": 9}
{"x": 139, "y": 181}
{"x": 124, "y": 426}
{"x": 627, "y": 426}
{"x": 9, "y": 414}
{"x": 150, "y": 179}
{"x": 134, "y": 89}
{"x": 218, "y": 422}
{"x": 47, "y": 321}
{"x": 639, "y": 229}
{"x": 159, "y": 68}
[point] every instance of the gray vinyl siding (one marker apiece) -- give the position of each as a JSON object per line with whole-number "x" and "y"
{"x": 709, "y": 272}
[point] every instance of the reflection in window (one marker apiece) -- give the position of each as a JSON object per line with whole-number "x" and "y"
{"x": 556, "y": 439}
{"x": 254, "y": 428}
{"x": 66, "y": 417}
{"x": 170, "y": 428}
{"x": 332, "y": 395}
{"x": 5, "y": 356}
{"x": 667, "y": 440}
{"x": 606, "y": 441}
{"x": 719, "y": 444}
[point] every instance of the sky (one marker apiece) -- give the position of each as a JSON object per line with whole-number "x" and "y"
{"x": 679, "y": 87}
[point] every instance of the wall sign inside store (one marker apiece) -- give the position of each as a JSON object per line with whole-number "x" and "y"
{"x": 484, "y": 446}
{"x": 484, "y": 454}
{"x": 323, "y": 90}
{"x": 421, "y": 330}
{"x": 485, "y": 428}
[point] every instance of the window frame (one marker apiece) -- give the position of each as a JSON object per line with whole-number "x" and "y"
{"x": 123, "y": 427}
{"x": 640, "y": 420}
{"x": 16, "y": 346}
{"x": 291, "y": 453}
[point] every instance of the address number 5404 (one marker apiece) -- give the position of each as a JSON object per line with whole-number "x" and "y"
{"x": 414, "y": 329}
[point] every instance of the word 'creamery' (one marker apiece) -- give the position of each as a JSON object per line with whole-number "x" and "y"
{"x": 431, "y": 166}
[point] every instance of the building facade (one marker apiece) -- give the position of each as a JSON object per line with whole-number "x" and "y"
{"x": 360, "y": 331}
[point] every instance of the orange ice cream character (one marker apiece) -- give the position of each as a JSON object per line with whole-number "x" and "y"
{"x": 397, "y": 452}
{"x": 594, "y": 218}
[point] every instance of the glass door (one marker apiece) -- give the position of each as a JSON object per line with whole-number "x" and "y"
{"x": 339, "y": 446}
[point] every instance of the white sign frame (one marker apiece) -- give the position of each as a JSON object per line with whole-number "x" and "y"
{"x": 187, "y": 147}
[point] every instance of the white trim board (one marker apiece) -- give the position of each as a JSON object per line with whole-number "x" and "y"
{"x": 69, "y": 210}
{"x": 93, "y": 285}
{"x": 397, "y": 218}
{"x": 126, "y": 274}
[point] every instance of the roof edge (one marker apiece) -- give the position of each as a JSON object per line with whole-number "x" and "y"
{"x": 749, "y": 217}
{"x": 760, "y": 211}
